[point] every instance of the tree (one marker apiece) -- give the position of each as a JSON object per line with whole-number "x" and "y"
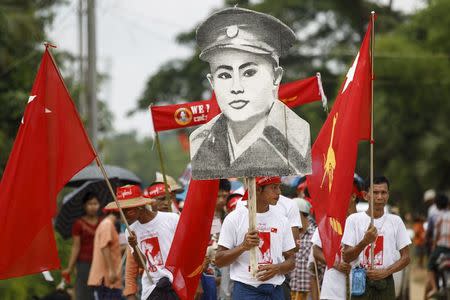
{"x": 411, "y": 87}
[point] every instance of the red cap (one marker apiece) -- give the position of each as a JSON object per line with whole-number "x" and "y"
{"x": 301, "y": 186}
{"x": 357, "y": 192}
{"x": 156, "y": 190}
{"x": 128, "y": 192}
{"x": 232, "y": 201}
{"x": 266, "y": 180}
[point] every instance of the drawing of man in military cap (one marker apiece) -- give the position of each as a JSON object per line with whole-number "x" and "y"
{"x": 256, "y": 134}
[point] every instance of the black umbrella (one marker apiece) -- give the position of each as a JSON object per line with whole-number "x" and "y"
{"x": 93, "y": 173}
{"x": 72, "y": 207}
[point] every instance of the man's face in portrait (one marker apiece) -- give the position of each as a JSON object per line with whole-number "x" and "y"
{"x": 245, "y": 84}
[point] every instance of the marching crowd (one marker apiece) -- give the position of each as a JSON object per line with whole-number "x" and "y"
{"x": 291, "y": 263}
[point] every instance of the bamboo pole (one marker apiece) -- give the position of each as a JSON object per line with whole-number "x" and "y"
{"x": 317, "y": 277}
{"x": 251, "y": 186}
{"x": 163, "y": 169}
{"x": 372, "y": 46}
{"x": 100, "y": 165}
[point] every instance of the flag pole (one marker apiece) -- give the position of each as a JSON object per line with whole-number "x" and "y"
{"x": 161, "y": 161}
{"x": 100, "y": 165}
{"x": 372, "y": 47}
{"x": 251, "y": 202}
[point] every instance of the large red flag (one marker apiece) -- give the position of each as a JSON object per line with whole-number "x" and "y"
{"x": 334, "y": 152}
{"x": 188, "y": 250}
{"x": 293, "y": 94}
{"x": 50, "y": 147}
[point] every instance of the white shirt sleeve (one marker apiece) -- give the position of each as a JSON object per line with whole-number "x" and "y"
{"x": 288, "y": 238}
{"x": 293, "y": 215}
{"x": 315, "y": 239}
{"x": 227, "y": 237}
{"x": 349, "y": 237}
{"x": 402, "y": 236}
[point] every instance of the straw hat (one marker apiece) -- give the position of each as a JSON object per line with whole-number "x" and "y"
{"x": 128, "y": 196}
{"x": 173, "y": 184}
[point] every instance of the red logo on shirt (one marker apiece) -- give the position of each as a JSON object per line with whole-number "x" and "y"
{"x": 377, "y": 253}
{"x": 264, "y": 247}
{"x": 152, "y": 252}
{"x": 274, "y": 230}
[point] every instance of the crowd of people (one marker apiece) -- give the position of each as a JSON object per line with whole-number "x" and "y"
{"x": 114, "y": 263}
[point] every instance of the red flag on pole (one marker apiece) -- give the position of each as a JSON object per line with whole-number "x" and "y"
{"x": 188, "y": 250}
{"x": 293, "y": 94}
{"x": 334, "y": 152}
{"x": 51, "y": 146}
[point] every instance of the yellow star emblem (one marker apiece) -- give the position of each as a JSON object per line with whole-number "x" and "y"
{"x": 330, "y": 161}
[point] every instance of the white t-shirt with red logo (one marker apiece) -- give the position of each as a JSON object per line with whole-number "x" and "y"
{"x": 275, "y": 238}
{"x": 154, "y": 240}
{"x": 286, "y": 207}
{"x": 333, "y": 284}
{"x": 392, "y": 237}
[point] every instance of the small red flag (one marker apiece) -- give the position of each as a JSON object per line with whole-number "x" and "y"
{"x": 334, "y": 152}
{"x": 293, "y": 94}
{"x": 51, "y": 146}
{"x": 188, "y": 250}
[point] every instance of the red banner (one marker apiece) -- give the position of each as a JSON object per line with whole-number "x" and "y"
{"x": 189, "y": 114}
{"x": 183, "y": 115}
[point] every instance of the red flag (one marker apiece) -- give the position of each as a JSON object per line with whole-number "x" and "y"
{"x": 50, "y": 147}
{"x": 300, "y": 92}
{"x": 334, "y": 152}
{"x": 293, "y": 94}
{"x": 188, "y": 250}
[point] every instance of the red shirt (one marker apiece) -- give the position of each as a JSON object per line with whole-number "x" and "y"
{"x": 86, "y": 232}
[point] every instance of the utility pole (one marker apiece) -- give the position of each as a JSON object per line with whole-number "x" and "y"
{"x": 82, "y": 105}
{"x": 92, "y": 73}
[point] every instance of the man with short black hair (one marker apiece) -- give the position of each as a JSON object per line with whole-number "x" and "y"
{"x": 272, "y": 236}
{"x": 391, "y": 241}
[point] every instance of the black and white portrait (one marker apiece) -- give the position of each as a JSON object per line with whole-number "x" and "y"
{"x": 256, "y": 134}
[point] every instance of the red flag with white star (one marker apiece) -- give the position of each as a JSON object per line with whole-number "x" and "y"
{"x": 51, "y": 146}
{"x": 334, "y": 152}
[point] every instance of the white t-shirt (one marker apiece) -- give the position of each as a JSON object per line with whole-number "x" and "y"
{"x": 286, "y": 207}
{"x": 275, "y": 238}
{"x": 333, "y": 284}
{"x": 392, "y": 237}
{"x": 154, "y": 240}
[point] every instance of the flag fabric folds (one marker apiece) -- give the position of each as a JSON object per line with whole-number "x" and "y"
{"x": 188, "y": 250}
{"x": 50, "y": 147}
{"x": 177, "y": 116}
{"x": 334, "y": 152}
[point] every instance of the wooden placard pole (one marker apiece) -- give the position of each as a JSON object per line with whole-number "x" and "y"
{"x": 372, "y": 47}
{"x": 163, "y": 169}
{"x": 251, "y": 202}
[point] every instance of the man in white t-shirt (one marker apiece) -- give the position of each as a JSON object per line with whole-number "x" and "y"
{"x": 152, "y": 236}
{"x": 286, "y": 207}
{"x": 390, "y": 238}
{"x": 334, "y": 279}
{"x": 273, "y": 239}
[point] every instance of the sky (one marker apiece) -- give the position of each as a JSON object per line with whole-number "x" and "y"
{"x": 134, "y": 38}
